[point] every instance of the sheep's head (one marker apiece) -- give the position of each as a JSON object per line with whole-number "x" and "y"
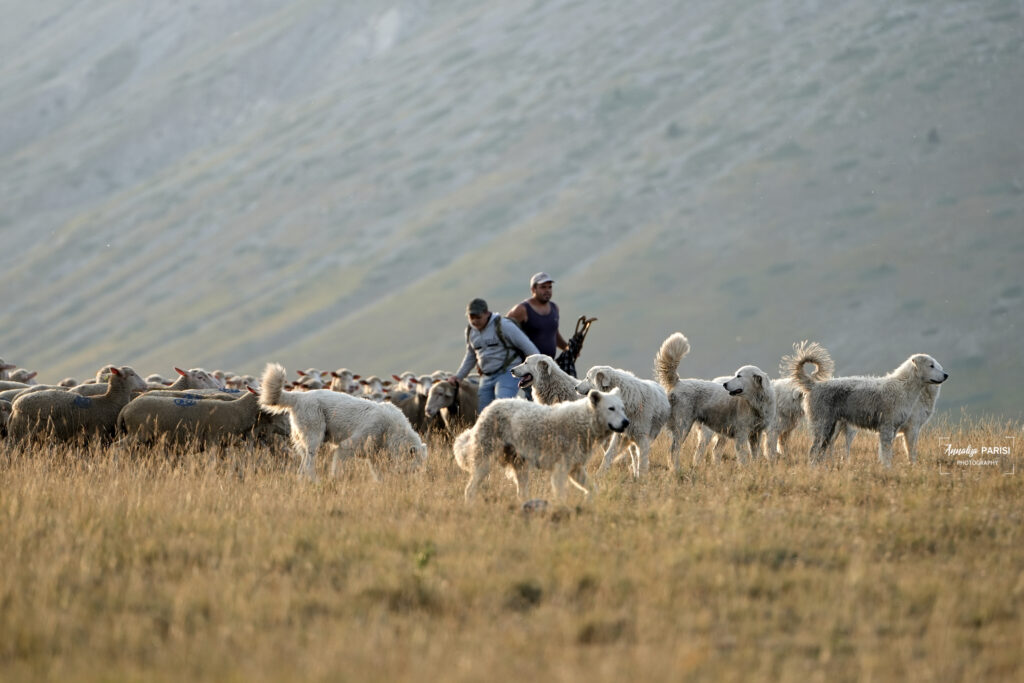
{"x": 441, "y": 395}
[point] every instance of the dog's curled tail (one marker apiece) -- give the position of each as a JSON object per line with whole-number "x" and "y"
{"x": 666, "y": 362}
{"x": 273, "y": 398}
{"x": 461, "y": 450}
{"x": 803, "y": 353}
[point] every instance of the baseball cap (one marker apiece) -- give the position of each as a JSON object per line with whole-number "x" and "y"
{"x": 477, "y": 307}
{"x": 539, "y": 279}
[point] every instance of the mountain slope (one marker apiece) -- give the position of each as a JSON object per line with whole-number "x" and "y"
{"x": 328, "y": 186}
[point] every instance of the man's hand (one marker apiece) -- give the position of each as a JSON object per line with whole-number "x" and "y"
{"x": 453, "y": 380}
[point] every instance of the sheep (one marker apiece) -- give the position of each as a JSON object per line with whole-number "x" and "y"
{"x": 134, "y": 380}
{"x": 241, "y": 382}
{"x": 10, "y": 394}
{"x": 7, "y": 384}
{"x": 196, "y": 378}
{"x": 344, "y": 380}
{"x": 68, "y": 382}
{"x": 68, "y": 415}
{"x": 457, "y": 404}
{"x": 182, "y": 420}
{"x": 311, "y": 379}
{"x": 5, "y": 416}
{"x": 405, "y": 382}
{"x": 24, "y": 376}
{"x": 5, "y": 367}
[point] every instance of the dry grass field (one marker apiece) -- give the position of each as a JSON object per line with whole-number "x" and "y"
{"x": 120, "y": 566}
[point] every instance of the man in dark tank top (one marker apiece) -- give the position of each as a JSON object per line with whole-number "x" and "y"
{"x": 538, "y": 316}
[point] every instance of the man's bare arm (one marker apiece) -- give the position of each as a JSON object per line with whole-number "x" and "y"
{"x": 518, "y": 314}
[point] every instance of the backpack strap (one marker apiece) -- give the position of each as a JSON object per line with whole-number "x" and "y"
{"x": 511, "y": 352}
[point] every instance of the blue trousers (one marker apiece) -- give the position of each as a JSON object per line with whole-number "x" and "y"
{"x": 501, "y": 385}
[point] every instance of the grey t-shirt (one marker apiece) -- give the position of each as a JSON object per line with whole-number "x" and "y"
{"x": 485, "y": 348}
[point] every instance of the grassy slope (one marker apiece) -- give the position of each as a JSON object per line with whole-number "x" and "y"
{"x": 124, "y": 568}
{"x": 748, "y": 175}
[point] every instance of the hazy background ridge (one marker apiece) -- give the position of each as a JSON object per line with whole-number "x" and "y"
{"x": 328, "y": 184}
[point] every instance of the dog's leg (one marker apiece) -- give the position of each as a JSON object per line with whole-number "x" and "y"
{"x": 558, "y": 479}
{"x": 309, "y": 445}
{"x": 823, "y": 431}
{"x": 481, "y": 466}
{"x": 578, "y": 477}
{"x": 754, "y": 441}
{"x": 885, "y": 436}
{"x": 675, "y": 447}
{"x": 346, "y": 450}
{"x": 702, "y": 445}
{"x": 642, "y": 450}
{"x": 743, "y": 454}
{"x": 910, "y": 442}
{"x": 609, "y": 454}
{"x": 720, "y": 444}
{"x": 521, "y": 476}
{"x": 849, "y": 432}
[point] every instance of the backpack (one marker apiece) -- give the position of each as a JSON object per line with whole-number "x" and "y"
{"x": 511, "y": 352}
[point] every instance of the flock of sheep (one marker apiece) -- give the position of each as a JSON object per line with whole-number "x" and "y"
{"x": 386, "y": 420}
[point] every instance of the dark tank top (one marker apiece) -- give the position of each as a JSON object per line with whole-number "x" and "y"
{"x": 542, "y": 329}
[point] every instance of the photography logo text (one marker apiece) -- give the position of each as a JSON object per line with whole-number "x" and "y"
{"x": 963, "y": 456}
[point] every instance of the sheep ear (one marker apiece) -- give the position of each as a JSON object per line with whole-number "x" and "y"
{"x": 251, "y": 390}
{"x": 413, "y": 380}
{"x": 396, "y": 378}
{"x": 113, "y": 371}
{"x": 181, "y": 372}
{"x": 356, "y": 376}
{"x": 594, "y": 396}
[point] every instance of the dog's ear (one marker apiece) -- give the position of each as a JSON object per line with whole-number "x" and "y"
{"x": 545, "y": 366}
{"x": 599, "y": 379}
{"x": 757, "y": 378}
{"x": 594, "y": 396}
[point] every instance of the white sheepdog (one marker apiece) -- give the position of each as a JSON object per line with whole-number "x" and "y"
{"x": 355, "y": 426}
{"x": 519, "y": 434}
{"x": 551, "y": 384}
{"x": 898, "y": 401}
{"x": 741, "y": 407}
{"x": 647, "y": 408}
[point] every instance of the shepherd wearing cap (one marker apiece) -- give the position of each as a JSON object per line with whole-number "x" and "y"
{"x": 493, "y": 348}
{"x": 538, "y": 316}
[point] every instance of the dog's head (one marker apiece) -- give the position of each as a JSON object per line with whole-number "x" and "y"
{"x": 928, "y": 369}
{"x": 535, "y": 366}
{"x": 748, "y": 380}
{"x": 598, "y": 377}
{"x": 609, "y": 408}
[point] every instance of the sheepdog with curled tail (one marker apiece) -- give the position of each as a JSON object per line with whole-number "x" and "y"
{"x": 355, "y": 426}
{"x": 741, "y": 407}
{"x": 887, "y": 405}
{"x": 521, "y": 435}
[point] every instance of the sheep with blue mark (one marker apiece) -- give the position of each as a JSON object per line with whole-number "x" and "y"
{"x": 65, "y": 415}
{"x": 187, "y": 419}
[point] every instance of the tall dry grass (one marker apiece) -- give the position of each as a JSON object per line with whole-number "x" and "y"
{"x": 119, "y": 565}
